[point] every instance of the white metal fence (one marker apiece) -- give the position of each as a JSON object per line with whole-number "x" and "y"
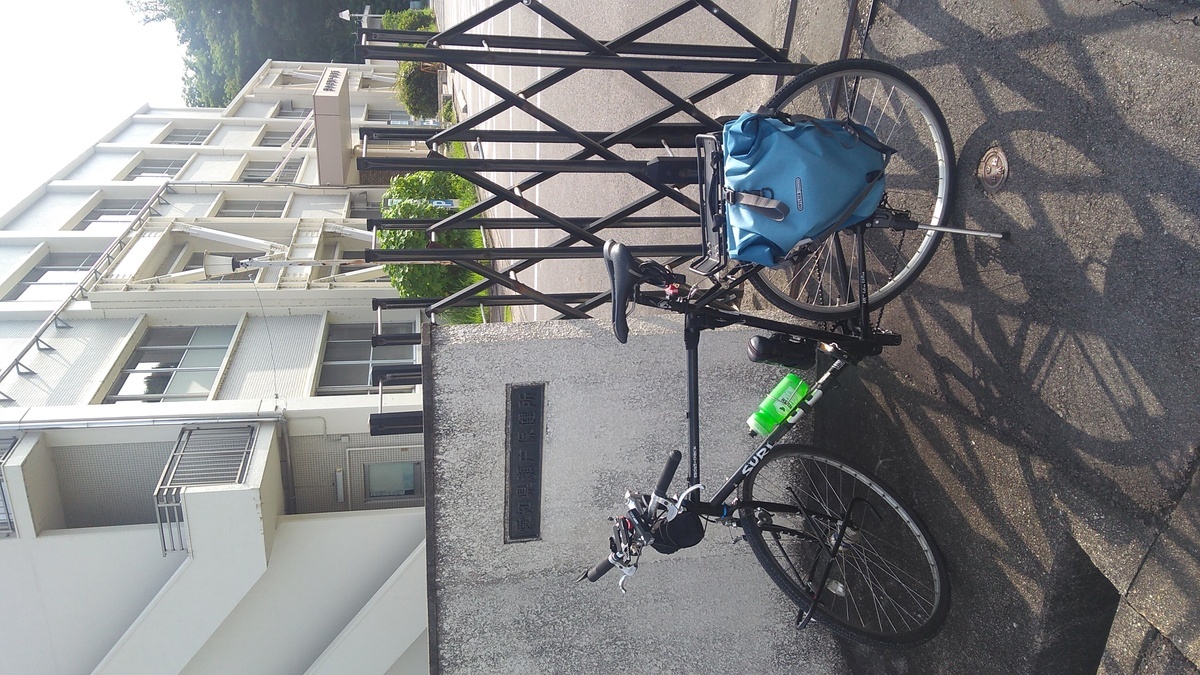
{"x": 218, "y": 455}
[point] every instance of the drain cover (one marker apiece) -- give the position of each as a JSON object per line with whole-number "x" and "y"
{"x": 993, "y": 169}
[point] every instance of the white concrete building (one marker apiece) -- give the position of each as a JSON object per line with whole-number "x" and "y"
{"x": 188, "y": 482}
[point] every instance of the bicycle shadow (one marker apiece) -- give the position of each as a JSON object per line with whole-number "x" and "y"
{"x": 1041, "y": 415}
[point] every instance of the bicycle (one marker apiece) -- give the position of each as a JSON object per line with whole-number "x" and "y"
{"x": 834, "y": 538}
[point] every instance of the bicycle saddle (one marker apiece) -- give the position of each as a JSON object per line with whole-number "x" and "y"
{"x": 621, "y": 273}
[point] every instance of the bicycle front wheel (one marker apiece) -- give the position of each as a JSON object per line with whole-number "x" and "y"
{"x": 886, "y": 583}
{"x": 919, "y": 180}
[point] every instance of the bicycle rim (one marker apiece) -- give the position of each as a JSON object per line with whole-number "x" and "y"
{"x": 888, "y": 582}
{"x": 919, "y": 179}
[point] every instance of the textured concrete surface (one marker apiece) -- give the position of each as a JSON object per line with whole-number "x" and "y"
{"x": 1053, "y": 343}
{"x": 612, "y": 413}
{"x": 1042, "y": 414}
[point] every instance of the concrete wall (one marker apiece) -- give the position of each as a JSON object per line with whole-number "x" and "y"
{"x": 316, "y": 458}
{"x": 230, "y": 532}
{"x": 102, "y": 166}
{"x": 73, "y": 370}
{"x": 210, "y": 168}
{"x": 90, "y": 585}
{"x": 324, "y": 568}
{"x": 33, "y": 486}
{"x": 612, "y": 413}
{"x": 50, "y": 212}
{"x": 186, "y": 205}
{"x": 273, "y": 356}
{"x": 236, "y": 136}
{"x": 317, "y": 206}
{"x": 139, "y": 133}
{"x": 110, "y": 484}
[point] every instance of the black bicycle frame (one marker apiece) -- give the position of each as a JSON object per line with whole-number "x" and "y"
{"x": 699, "y": 317}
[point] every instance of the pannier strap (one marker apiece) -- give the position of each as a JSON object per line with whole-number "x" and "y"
{"x": 771, "y": 208}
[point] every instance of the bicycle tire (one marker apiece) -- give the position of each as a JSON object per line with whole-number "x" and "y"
{"x": 897, "y": 600}
{"x": 920, "y": 179}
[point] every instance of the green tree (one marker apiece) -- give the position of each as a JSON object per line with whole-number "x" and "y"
{"x": 409, "y": 197}
{"x": 228, "y": 40}
{"x": 410, "y": 19}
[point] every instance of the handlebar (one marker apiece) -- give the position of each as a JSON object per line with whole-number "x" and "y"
{"x": 632, "y": 532}
{"x": 601, "y": 568}
{"x": 668, "y": 472}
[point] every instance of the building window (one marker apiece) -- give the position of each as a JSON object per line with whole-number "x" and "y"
{"x": 195, "y": 261}
{"x": 275, "y": 139}
{"x": 187, "y": 137}
{"x": 297, "y": 77}
{"x": 173, "y": 363}
{"x": 54, "y": 277}
{"x": 349, "y": 357}
{"x": 288, "y": 111}
{"x": 392, "y": 480}
{"x": 112, "y": 211}
{"x": 369, "y": 209}
{"x": 398, "y": 117}
{"x": 251, "y": 208}
{"x": 156, "y": 168}
{"x": 261, "y": 171}
{"x": 376, "y": 81}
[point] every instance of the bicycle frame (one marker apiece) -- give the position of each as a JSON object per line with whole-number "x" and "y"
{"x": 698, "y": 317}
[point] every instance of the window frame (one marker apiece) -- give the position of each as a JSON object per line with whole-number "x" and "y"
{"x": 364, "y": 388}
{"x": 53, "y": 261}
{"x": 251, "y": 208}
{"x": 151, "y": 171}
{"x": 142, "y": 352}
{"x": 257, "y": 168}
{"x": 390, "y": 117}
{"x": 275, "y": 134}
{"x": 186, "y": 136}
{"x": 418, "y": 490}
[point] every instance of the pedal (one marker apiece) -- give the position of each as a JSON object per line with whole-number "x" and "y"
{"x": 783, "y": 350}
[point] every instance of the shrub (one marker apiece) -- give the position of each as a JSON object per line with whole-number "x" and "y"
{"x": 410, "y": 19}
{"x": 417, "y": 90}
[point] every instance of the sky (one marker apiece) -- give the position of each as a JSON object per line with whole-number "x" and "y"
{"x": 73, "y": 70}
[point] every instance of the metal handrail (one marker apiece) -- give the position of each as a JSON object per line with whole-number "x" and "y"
{"x": 107, "y": 257}
{"x": 8, "y": 525}
{"x": 203, "y": 455}
{"x": 298, "y": 139}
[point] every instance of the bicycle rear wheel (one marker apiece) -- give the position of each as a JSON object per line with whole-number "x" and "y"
{"x": 919, "y": 180}
{"x": 887, "y": 584}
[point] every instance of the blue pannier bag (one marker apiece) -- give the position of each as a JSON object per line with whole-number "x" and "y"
{"x": 791, "y": 179}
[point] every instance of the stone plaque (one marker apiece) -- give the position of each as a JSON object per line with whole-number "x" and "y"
{"x": 523, "y": 473}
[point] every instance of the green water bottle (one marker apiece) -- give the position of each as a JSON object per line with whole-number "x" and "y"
{"x": 778, "y": 405}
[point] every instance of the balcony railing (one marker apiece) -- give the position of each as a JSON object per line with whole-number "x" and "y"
{"x": 202, "y": 456}
{"x": 7, "y": 527}
{"x": 93, "y": 275}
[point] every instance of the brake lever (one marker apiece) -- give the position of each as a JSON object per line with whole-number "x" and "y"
{"x": 626, "y": 572}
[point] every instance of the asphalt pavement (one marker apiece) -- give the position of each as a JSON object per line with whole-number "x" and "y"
{"x": 1042, "y": 413}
